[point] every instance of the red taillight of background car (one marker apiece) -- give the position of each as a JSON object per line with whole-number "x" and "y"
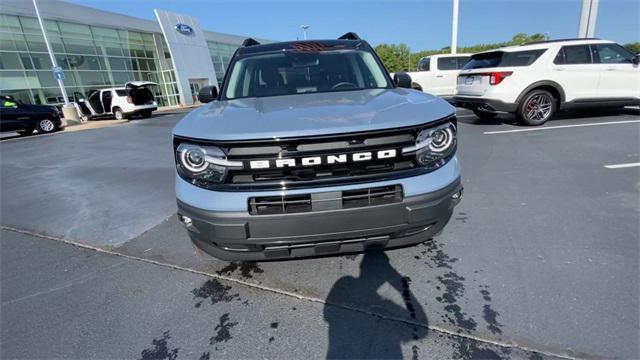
{"x": 129, "y": 100}
{"x": 496, "y": 78}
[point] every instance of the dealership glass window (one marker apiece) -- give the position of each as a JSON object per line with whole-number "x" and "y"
{"x": 82, "y": 62}
{"x": 10, "y": 61}
{"x": 121, "y": 77}
{"x": 109, "y": 48}
{"x": 36, "y": 43}
{"x": 10, "y": 23}
{"x": 116, "y": 63}
{"x": 75, "y": 31}
{"x": 26, "y": 61}
{"x": 12, "y": 42}
{"x": 104, "y": 34}
{"x": 88, "y": 78}
{"x": 41, "y": 61}
{"x": 45, "y": 78}
{"x": 78, "y": 46}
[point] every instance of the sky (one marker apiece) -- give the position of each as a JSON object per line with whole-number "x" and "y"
{"x": 422, "y": 25}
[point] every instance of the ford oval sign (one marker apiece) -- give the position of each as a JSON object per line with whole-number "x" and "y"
{"x": 184, "y": 29}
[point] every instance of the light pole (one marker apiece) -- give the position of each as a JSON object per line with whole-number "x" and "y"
{"x": 304, "y": 31}
{"x": 588, "y": 17}
{"x": 454, "y": 28}
{"x": 68, "y": 110}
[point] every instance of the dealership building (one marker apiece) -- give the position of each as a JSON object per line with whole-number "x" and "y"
{"x": 99, "y": 49}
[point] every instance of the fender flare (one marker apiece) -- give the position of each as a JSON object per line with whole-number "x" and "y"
{"x": 537, "y": 84}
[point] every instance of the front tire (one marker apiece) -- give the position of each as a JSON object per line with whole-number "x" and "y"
{"x": 119, "y": 114}
{"x": 536, "y": 108}
{"x": 46, "y": 126}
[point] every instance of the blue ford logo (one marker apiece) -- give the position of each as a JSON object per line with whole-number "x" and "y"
{"x": 184, "y": 29}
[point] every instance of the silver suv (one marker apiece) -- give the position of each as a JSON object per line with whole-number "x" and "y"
{"x": 310, "y": 148}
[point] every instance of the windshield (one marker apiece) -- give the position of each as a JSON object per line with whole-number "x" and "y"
{"x": 503, "y": 59}
{"x": 299, "y": 72}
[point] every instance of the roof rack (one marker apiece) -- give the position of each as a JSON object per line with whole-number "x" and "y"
{"x": 349, "y": 36}
{"x": 557, "y": 40}
{"x": 250, "y": 42}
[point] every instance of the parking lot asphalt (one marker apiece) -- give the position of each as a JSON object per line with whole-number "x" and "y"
{"x": 541, "y": 256}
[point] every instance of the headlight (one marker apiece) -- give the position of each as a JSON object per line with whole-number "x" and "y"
{"x": 203, "y": 164}
{"x": 434, "y": 146}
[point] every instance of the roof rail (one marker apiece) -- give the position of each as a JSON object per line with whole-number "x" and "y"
{"x": 349, "y": 36}
{"x": 557, "y": 40}
{"x": 250, "y": 42}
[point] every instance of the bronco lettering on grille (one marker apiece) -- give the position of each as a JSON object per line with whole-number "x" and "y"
{"x": 323, "y": 159}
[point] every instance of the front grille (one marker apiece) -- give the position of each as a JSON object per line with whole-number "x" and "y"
{"x": 285, "y": 176}
{"x": 269, "y": 205}
{"x": 349, "y": 199}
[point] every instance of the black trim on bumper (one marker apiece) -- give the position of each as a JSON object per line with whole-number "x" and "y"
{"x": 493, "y": 105}
{"x": 240, "y": 236}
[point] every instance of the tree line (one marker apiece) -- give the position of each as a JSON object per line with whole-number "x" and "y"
{"x": 398, "y": 57}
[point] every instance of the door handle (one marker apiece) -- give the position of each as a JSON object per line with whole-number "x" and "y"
{"x": 611, "y": 69}
{"x": 439, "y": 76}
{"x": 558, "y": 69}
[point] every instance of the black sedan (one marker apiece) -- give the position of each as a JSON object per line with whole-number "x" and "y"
{"x": 25, "y": 118}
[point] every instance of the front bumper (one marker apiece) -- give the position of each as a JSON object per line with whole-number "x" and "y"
{"x": 483, "y": 104}
{"x": 240, "y": 236}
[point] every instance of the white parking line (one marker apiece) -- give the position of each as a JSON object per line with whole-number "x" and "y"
{"x": 562, "y": 127}
{"x": 622, "y": 166}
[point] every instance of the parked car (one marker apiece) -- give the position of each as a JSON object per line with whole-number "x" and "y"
{"x": 134, "y": 98}
{"x": 26, "y": 118}
{"x": 535, "y": 80}
{"x": 310, "y": 148}
{"x": 437, "y": 74}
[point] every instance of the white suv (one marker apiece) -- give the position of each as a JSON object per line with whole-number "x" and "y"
{"x": 135, "y": 98}
{"x": 537, "y": 79}
{"x": 437, "y": 74}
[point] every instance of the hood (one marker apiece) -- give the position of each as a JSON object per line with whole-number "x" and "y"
{"x": 312, "y": 114}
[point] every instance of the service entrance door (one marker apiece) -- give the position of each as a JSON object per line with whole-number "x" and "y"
{"x": 195, "y": 85}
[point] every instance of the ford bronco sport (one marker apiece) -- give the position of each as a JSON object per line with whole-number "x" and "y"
{"x": 310, "y": 148}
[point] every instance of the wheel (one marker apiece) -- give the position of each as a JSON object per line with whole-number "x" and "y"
{"x": 484, "y": 115}
{"x": 46, "y": 126}
{"x": 26, "y": 132}
{"x": 146, "y": 114}
{"x": 536, "y": 107}
{"x": 119, "y": 115}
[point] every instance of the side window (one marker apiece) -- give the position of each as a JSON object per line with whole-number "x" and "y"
{"x": 612, "y": 54}
{"x": 559, "y": 60}
{"x": 577, "y": 54}
{"x": 448, "y": 63}
{"x": 462, "y": 60}
{"x": 423, "y": 64}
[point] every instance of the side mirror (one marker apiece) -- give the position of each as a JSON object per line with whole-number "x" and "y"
{"x": 402, "y": 79}
{"x": 207, "y": 94}
{"x": 636, "y": 59}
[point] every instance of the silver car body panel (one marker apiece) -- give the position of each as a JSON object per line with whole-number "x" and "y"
{"x": 312, "y": 114}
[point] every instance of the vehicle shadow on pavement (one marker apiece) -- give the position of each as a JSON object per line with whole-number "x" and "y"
{"x": 349, "y": 338}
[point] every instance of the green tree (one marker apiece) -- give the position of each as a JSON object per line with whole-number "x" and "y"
{"x": 395, "y": 57}
{"x": 633, "y": 47}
